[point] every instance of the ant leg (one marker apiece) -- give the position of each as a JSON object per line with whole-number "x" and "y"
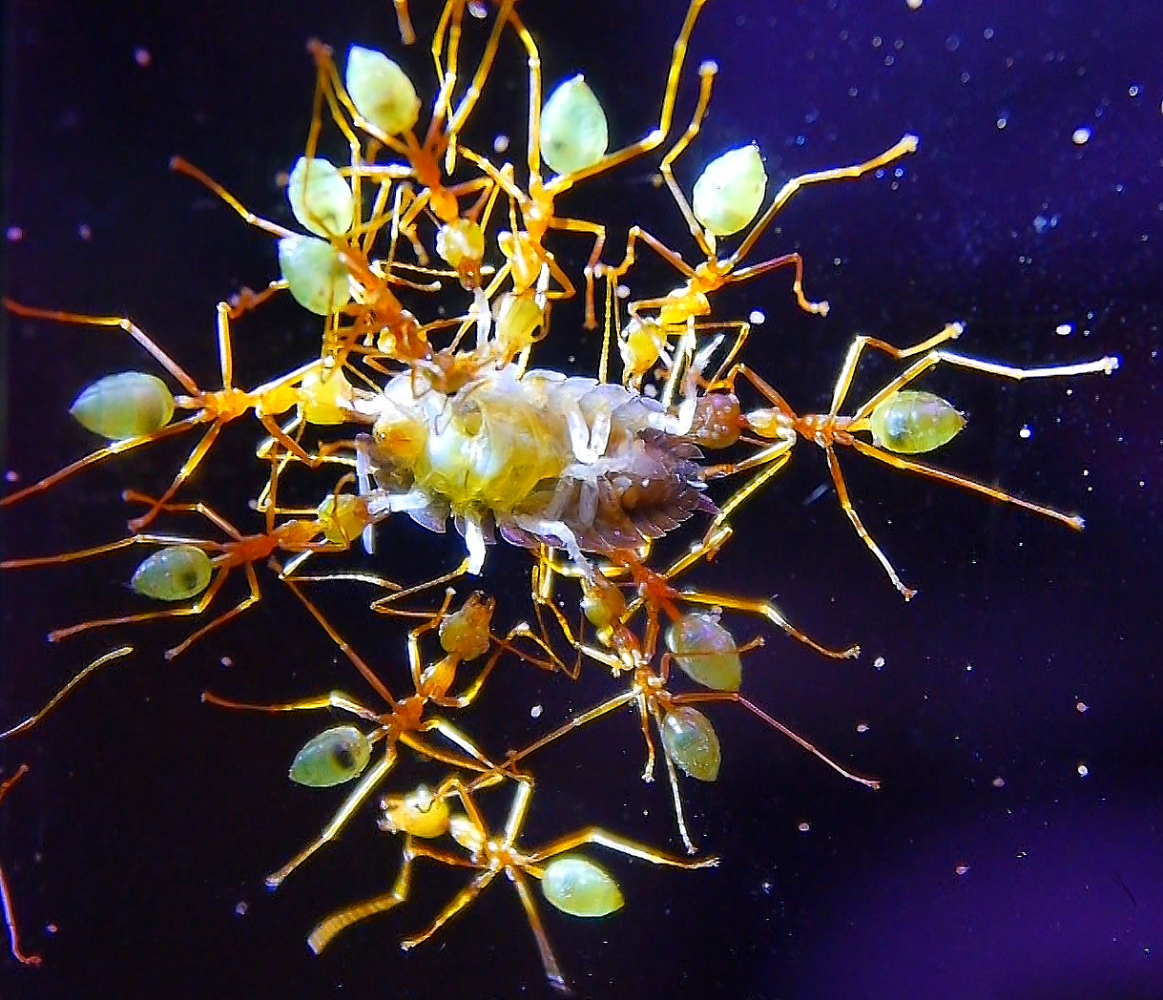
{"x": 908, "y": 593}
{"x": 707, "y": 73}
{"x": 225, "y": 346}
{"x": 415, "y": 657}
{"x": 289, "y": 573}
{"x": 599, "y": 233}
{"x": 951, "y": 331}
{"x": 548, "y": 960}
{"x": 768, "y": 611}
{"x": 333, "y": 699}
{"x": 473, "y": 93}
{"x": 907, "y": 144}
{"x": 459, "y": 901}
{"x": 522, "y": 630}
{"x": 5, "y": 894}
{"x": 252, "y": 598}
{"x": 735, "y": 696}
{"x": 116, "y": 448}
{"x": 623, "y": 845}
{"x": 356, "y": 660}
{"x": 742, "y": 330}
{"x": 674, "y": 259}
{"x": 675, "y": 792}
{"x": 793, "y": 260}
{"x": 181, "y": 166}
{"x": 384, "y": 604}
{"x": 408, "y": 206}
{"x": 211, "y": 515}
{"x": 367, "y": 784}
{"x": 584, "y": 719}
{"x": 191, "y": 463}
{"x": 56, "y": 699}
{"x": 1074, "y": 521}
{"x": 656, "y": 136}
{"x": 770, "y": 459}
{"x": 404, "y": 23}
{"x": 247, "y": 299}
{"x": 126, "y": 324}
{"x": 291, "y": 446}
{"x": 541, "y": 591}
{"x": 99, "y": 550}
{"x": 447, "y": 758}
{"x": 326, "y": 930}
{"x": 1103, "y": 366}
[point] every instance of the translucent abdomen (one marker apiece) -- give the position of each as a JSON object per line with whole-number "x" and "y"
{"x": 546, "y": 458}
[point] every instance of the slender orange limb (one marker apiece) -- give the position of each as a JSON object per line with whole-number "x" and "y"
{"x": 23, "y": 957}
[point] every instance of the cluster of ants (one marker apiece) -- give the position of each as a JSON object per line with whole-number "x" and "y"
{"x": 445, "y": 417}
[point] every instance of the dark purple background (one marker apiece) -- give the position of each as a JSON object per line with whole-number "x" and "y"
{"x": 147, "y": 818}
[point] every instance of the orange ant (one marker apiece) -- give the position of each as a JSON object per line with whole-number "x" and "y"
{"x": 339, "y": 755}
{"x": 605, "y": 607}
{"x": 317, "y": 392}
{"x": 524, "y": 248}
{"x": 380, "y": 313}
{"x": 570, "y": 882}
{"x": 646, "y": 337}
{"x": 186, "y": 567}
{"x": 900, "y": 422}
{"x": 23, "y": 957}
{"x": 379, "y": 83}
{"x": 702, "y": 647}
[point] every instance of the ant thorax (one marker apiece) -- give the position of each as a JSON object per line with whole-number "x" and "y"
{"x": 565, "y": 461}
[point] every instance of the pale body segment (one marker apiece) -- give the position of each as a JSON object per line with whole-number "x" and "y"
{"x": 548, "y": 459}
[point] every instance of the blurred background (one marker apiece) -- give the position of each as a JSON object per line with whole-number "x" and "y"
{"x": 1011, "y": 710}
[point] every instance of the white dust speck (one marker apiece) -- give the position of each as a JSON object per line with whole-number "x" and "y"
{"x": 535, "y": 711}
{"x": 1080, "y": 136}
{"x": 757, "y": 318}
{"x": 1064, "y": 329}
{"x": 1026, "y": 432}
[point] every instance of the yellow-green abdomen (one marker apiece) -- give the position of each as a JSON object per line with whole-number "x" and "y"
{"x": 911, "y": 422}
